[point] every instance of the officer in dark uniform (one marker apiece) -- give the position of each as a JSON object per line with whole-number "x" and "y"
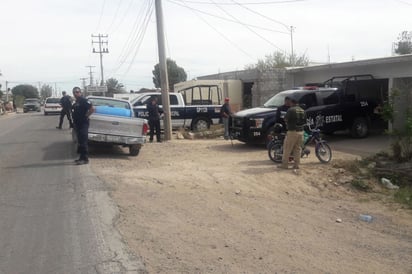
{"x": 82, "y": 109}
{"x": 66, "y": 104}
{"x": 281, "y": 112}
{"x": 154, "y": 119}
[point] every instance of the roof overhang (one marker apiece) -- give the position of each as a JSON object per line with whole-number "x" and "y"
{"x": 359, "y": 63}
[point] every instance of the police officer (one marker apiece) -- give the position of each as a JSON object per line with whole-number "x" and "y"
{"x": 295, "y": 119}
{"x": 154, "y": 119}
{"x": 82, "y": 109}
{"x": 225, "y": 113}
{"x": 66, "y": 104}
{"x": 281, "y": 112}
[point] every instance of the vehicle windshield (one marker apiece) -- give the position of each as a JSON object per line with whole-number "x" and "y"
{"x": 52, "y": 100}
{"x": 276, "y": 101}
{"x": 31, "y": 101}
{"x": 141, "y": 100}
{"x": 109, "y": 103}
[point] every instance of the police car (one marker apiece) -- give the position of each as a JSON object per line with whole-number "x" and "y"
{"x": 331, "y": 106}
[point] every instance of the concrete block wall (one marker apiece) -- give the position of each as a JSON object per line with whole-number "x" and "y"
{"x": 268, "y": 84}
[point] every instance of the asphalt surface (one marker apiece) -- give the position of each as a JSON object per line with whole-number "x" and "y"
{"x": 56, "y": 217}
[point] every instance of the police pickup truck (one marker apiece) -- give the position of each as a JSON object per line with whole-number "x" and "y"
{"x": 198, "y": 115}
{"x": 335, "y": 105}
{"x": 113, "y": 123}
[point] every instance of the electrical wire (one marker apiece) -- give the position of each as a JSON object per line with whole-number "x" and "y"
{"x": 133, "y": 36}
{"x": 114, "y": 16}
{"x": 224, "y": 18}
{"x": 128, "y": 9}
{"x": 257, "y": 34}
{"x": 135, "y": 39}
{"x": 151, "y": 9}
{"x": 262, "y": 15}
{"x": 249, "y": 3}
{"x": 101, "y": 15}
{"x": 224, "y": 36}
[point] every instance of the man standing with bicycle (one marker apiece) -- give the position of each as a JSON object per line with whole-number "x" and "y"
{"x": 295, "y": 119}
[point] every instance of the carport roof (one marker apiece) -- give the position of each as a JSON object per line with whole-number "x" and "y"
{"x": 376, "y": 61}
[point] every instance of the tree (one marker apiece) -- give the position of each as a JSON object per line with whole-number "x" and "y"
{"x": 46, "y": 91}
{"x": 113, "y": 86}
{"x": 404, "y": 44}
{"x": 26, "y": 91}
{"x": 279, "y": 60}
{"x": 175, "y": 74}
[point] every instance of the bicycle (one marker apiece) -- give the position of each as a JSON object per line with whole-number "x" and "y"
{"x": 322, "y": 150}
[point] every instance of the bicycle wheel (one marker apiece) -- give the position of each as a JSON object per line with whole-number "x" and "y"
{"x": 323, "y": 152}
{"x": 275, "y": 152}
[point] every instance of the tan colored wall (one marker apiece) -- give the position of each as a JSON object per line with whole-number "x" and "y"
{"x": 229, "y": 88}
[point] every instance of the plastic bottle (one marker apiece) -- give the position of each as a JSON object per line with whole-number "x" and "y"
{"x": 365, "y": 218}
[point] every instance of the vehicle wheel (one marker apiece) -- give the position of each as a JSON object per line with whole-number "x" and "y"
{"x": 134, "y": 150}
{"x": 275, "y": 152}
{"x": 323, "y": 152}
{"x": 360, "y": 128}
{"x": 269, "y": 136}
{"x": 201, "y": 123}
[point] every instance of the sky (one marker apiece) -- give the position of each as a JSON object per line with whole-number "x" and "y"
{"x": 50, "y": 41}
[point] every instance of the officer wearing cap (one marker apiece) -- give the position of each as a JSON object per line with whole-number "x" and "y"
{"x": 295, "y": 119}
{"x": 225, "y": 113}
{"x": 82, "y": 109}
{"x": 281, "y": 112}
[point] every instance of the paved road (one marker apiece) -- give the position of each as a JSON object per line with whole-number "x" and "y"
{"x": 56, "y": 217}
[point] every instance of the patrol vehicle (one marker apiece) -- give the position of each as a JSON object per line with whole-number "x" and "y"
{"x": 340, "y": 103}
{"x": 197, "y": 114}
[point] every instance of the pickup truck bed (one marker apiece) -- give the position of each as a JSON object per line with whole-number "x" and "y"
{"x": 112, "y": 123}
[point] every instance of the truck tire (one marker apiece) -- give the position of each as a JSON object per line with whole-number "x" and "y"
{"x": 134, "y": 150}
{"x": 360, "y": 128}
{"x": 201, "y": 123}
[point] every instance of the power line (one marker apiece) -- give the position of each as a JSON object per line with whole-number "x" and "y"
{"x": 262, "y": 15}
{"x": 135, "y": 39}
{"x": 223, "y": 18}
{"x": 128, "y": 9}
{"x": 221, "y": 34}
{"x": 263, "y": 38}
{"x": 150, "y": 12}
{"x": 249, "y": 3}
{"x": 131, "y": 40}
{"x": 115, "y": 15}
{"x": 101, "y": 15}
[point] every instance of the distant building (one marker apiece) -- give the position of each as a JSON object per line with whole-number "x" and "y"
{"x": 261, "y": 85}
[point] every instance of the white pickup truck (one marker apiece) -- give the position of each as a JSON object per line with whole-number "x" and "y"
{"x": 113, "y": 122}
{"x": 196, "y": 113}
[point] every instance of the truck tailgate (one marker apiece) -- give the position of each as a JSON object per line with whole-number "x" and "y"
{"x": 114, "y": 126}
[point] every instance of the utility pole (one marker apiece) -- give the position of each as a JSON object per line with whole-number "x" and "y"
{"x": 91, "y": 74}
{"x": 7, "y": 91}
{"x": 101, "y": 50}
{"x": 291, "y": 45}
{"x": 164, "y": 82}
{"x": 83, "y": 82}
